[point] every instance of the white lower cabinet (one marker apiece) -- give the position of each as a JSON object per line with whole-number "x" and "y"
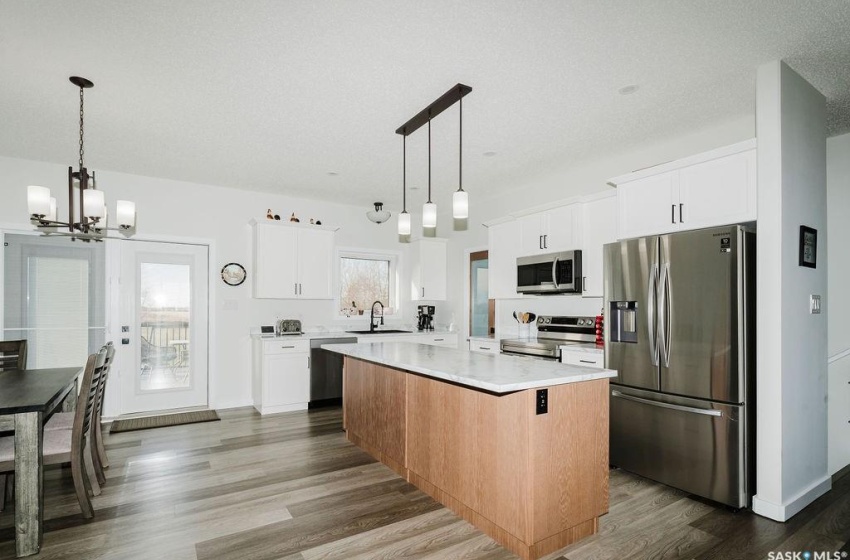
{"x": 481, "y": 347}
{"x": 281, "y": 376}
{"x": 447, "y": 340}
{"x": 436, "y": 339}
{"x": 584, "y": 359}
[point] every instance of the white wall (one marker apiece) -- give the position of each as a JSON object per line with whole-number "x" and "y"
{"x": 791, "y": 379}
{"x": 838, "y": 209}
{"x": 188, "y": 210}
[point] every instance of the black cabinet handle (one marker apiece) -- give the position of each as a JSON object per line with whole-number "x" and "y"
{"x": 681, "y": 219}
{"x": 587, "y": 361}
{"x": 673, "y": 213}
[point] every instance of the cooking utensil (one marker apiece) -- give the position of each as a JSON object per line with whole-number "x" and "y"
{"x": 532, "y": 317}
{"x": 516, "y": 318}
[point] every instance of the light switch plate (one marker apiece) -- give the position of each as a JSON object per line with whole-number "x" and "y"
{"x": 814, "y": 304}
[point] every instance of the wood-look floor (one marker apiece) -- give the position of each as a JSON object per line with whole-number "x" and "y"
{"x": 289, "y": 486}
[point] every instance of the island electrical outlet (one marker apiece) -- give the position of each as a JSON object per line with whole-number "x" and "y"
{"x": 542, "y": 401}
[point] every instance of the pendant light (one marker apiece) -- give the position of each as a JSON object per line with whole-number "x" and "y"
{"x": 460, "y": 200}
{"x": 429, "y": 209}
{"x": 404, "y": 217}
{"x": 87, "y": 215}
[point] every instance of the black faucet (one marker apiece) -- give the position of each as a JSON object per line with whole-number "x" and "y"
{"x": 372, "y": 325}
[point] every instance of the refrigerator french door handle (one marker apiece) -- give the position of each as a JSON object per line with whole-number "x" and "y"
{"x": 555, "y": 273}
{"x": 651, "y": 305}
{"x": 703, "y": 411}
{"x": 664, "y": 314}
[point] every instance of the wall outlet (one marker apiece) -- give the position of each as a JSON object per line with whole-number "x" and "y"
{"x": 814, "y": 304}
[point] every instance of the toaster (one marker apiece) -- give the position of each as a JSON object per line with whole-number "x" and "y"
{"x": 288, "y": 326}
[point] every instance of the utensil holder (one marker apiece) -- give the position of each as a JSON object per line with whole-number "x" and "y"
{"x": 524, "y": 330}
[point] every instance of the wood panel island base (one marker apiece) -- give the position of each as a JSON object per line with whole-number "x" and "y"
{"x": 533, "y": 482}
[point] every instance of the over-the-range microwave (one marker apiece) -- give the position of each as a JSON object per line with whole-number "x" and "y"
{"x": 552, "y": 273}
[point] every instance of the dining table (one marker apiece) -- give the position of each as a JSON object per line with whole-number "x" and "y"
{"x": 27, "y": 398}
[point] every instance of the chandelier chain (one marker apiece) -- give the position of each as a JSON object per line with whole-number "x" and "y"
{"x": 81, "y": 129}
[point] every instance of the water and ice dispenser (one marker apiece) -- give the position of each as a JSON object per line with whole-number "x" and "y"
{"x": 623, "y": 319}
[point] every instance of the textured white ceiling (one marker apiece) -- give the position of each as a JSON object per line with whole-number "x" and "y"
{"x": 274, "y": 95}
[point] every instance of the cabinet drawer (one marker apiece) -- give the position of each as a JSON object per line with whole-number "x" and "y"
{"x": 484, "y": 347}
{"x": 584, "y": 359}
{"x": 449, "y": 340}
{"x": 286, "y": 346}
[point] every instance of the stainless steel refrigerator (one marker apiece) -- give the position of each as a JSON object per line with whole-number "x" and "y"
{"x": 680, "y": 318}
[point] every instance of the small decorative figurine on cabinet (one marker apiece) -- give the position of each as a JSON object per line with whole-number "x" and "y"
{"x": 293, "y": 218}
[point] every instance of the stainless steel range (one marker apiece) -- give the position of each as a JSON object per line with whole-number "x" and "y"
{"x": 552, "y": 333}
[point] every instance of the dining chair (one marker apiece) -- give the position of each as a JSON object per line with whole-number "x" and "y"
{"x": 95, "y": 457}
{"x": 13, "y": 354}
{"x": 67, "y": 446}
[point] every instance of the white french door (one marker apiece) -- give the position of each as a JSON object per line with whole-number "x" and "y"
{"x": 163, "y": 326}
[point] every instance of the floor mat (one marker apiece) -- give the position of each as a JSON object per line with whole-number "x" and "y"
{"x": 163, "y": 420}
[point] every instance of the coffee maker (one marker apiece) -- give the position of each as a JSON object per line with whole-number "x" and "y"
{"x": 426, "y": 318}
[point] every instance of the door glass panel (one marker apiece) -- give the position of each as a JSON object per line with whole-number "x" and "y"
{"x": 165, "y": 298}
{"x": 53, "y": 291}
{"x": 480, "y": 304}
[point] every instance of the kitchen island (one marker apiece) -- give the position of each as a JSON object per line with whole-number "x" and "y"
{"x": 516, "y": 446}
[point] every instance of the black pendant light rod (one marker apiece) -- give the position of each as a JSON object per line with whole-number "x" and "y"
{"x": 429, "y": 161}
{"x": 441, "y": 104}
{"x": 460, "y": 147}
{"x": 404, "y": 174}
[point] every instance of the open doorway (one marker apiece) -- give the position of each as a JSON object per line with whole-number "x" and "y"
{"x": 482, "y": 309}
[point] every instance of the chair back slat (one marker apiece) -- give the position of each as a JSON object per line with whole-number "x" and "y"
{"x": 13, "y": 354}
{"x": 88, "y": 393}
{"x": 101, "y": 390}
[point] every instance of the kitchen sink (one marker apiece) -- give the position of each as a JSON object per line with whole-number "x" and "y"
{"x": 386, "y": 331}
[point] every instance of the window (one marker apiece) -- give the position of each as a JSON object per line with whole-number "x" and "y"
{"x": 365, "y": 278}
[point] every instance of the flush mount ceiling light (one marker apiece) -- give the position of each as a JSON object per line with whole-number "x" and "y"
{"x": 92, "y": 217}
{"x": 628, "y": 90}
{"x": 378, "y": 215}
{"x": 460, "y": 199}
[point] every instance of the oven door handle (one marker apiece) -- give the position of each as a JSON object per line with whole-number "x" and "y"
{"x": 555, "y": 273}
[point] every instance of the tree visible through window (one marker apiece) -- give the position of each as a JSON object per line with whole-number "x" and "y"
{"x": 362, "y": 282}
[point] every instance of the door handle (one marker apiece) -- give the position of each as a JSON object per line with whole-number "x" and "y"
{"x": 555, "y": 273}
{"x": 540, "y": 241}
{"x": 681, "y": 219}
{"x": 673, "y": 213}
{"x": 308, "y": 362}
{"x": 664, "y": 314}
{"x": 296, "y": 288}
{"x": 287, "y": 346}
{"x": 545, "y": 241}
{"x": 587, "y": 361}
{"x": 300, "y": 289}
{"x": 651, "y": 305}
{"x": 703, "y": 411}
{"x": 423, "y": 291}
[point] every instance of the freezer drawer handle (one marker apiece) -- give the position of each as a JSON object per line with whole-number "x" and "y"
{"x": 703, "y": 411}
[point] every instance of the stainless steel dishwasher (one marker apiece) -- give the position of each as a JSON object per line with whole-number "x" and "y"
{"x": 326, "y": 372}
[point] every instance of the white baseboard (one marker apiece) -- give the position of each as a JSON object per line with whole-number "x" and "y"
{"x": 785, "y": 511}
{"x": 281, "y": 408}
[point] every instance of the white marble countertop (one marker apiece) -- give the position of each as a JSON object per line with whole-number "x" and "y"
{"x": 343, "y": 334}
{"x": 582, "y": 348}
{"x": 491, "y": 372}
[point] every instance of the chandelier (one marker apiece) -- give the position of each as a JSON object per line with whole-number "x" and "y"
{"x": 88, "y": 221}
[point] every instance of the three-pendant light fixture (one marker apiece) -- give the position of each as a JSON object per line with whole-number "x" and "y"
{"x": 460, "y": 199}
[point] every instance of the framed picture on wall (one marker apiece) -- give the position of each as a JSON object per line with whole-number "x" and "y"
{"x": 808, "y": 247}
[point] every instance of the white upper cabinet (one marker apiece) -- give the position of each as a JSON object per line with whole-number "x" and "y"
{"x": 558, "y": 229}
{"x": 504, "y": 246}
{"x": 600, "y": 227}
{"x": 428, "y": 278}
{"x": 648, "y": 206}
{"x": 710, "y": 189}
{"x": 292, "y": 261}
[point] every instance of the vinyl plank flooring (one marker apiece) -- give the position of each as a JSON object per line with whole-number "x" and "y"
{"x": 290, "y": 487}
